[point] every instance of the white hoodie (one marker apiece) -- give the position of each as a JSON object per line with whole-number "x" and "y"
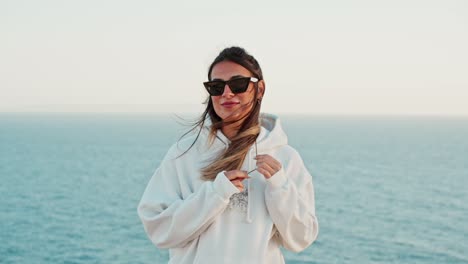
{"x": 212, "y": 222}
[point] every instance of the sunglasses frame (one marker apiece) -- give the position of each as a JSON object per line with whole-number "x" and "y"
{"x": 229, "y": 82}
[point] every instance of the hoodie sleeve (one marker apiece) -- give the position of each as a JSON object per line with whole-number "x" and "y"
{"x": 289, "y": 197}
{"x": 172, "y": 221}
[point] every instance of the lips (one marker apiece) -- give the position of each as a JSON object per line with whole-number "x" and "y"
{"x": 229, "y": 104}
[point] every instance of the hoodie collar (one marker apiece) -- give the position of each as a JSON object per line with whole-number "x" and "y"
{"x": 271, "y": 134}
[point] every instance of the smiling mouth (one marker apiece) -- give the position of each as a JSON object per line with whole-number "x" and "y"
{"x": 229, "y": 104}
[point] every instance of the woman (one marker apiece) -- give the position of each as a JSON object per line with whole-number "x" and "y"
{"x": 235, "y": 191}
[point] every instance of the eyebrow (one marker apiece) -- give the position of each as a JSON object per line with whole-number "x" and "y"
{"x": 232, "y": 77}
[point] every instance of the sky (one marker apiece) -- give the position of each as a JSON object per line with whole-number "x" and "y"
{"x": 400, "y": 57}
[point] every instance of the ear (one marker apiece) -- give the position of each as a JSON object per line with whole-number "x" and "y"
{"x": 261, "y": 89}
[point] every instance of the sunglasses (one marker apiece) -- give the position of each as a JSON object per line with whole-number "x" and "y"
{"x": 237, "y": 85}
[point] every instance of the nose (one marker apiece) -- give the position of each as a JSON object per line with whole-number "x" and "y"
{"x": 227, "y": 91}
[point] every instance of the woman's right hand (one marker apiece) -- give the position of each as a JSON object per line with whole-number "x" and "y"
{"x": 236, "y": 177}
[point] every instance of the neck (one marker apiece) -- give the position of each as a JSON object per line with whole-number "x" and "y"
{"x": 231, "y": 130}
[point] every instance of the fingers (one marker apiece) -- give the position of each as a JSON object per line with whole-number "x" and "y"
{"x": 238, "y": 184}
{"x": 267, "y": 165}
{"x": 265, "y": 169}
{"x": 236, "y": 174}
{"x": 265, "y": 172}
{"x": 267, "y": 159}
{"x": 236, "y": 177}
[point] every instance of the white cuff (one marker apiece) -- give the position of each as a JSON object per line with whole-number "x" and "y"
{"x": 223, "y": 186}
{"x": 278, "y": 179}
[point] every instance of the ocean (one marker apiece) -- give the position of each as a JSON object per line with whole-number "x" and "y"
{"x": 389, "y": 189}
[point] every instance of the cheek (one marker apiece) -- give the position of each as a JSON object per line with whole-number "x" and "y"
{"x": 216, "y": 104}
{"x": 246, "y": 97}
{"x": 215, "y": 100}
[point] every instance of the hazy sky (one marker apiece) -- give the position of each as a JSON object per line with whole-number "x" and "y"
{"x": 321, "y": 57}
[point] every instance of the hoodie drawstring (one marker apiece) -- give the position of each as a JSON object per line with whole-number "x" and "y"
{"x": 249, "y": 192}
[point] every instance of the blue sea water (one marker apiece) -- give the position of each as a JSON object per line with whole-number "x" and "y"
{"x": 388, "y": 189}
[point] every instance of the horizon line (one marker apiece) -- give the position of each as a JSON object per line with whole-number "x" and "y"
{"x": 172, "y": 113}
{"x": 186, "y": 109}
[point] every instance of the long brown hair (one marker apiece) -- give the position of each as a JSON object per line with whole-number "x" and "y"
{"x": 233, "y": 157}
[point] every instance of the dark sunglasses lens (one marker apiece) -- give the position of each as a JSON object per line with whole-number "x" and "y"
{"x": 239, "y": 85}
{"x": 215, "y": 88}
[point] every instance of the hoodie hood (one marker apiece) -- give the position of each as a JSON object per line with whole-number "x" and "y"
{"x": 271, "y": 134}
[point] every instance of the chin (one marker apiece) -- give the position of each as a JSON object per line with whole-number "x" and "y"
{"x": 234, "y": 116}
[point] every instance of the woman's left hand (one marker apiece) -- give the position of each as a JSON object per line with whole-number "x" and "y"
{"x": 267, "y": 165}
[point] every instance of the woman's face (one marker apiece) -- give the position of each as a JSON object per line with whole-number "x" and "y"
{"x": 230, "y": 106}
